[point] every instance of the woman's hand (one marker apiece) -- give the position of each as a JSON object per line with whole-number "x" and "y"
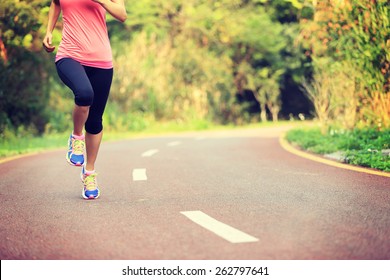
{"x": 47, "y": 43}
{"x": 54, "y": 13}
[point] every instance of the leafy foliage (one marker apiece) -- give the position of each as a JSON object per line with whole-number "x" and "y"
{"x": 206, "y": 59}
{"x": 189, "y": 59}
{"x": 23, "y": 80}
{"x": 355, "y": 33}
{"x": 173, "y": 60}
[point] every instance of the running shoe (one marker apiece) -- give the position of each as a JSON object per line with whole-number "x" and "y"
{"x": 91, "y": 189}
{"x": 76, "y": 147}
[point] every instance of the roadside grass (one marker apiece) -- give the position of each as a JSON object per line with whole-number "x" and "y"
{"x": 25, "y": 144}
{"x": 363, "y": 147}
{"x": 22, "y": 142}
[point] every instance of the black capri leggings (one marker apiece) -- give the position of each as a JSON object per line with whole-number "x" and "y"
{"x": 90, "y": 86}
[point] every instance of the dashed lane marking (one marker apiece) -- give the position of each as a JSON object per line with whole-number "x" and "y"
{"x": 174, "y": 143}
{"x": 222, "y": 230}
{"x": 139, "y": 174}
{"x": 150, "y": 153}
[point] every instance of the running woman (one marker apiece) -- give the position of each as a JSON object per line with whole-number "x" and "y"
{"x": 84, "y": 64}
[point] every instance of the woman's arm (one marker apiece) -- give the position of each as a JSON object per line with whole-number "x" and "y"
{"x": 54, "y": 13}
{"x": 115, "y": 7}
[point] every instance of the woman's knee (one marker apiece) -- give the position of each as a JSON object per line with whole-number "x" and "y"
{"x": 94, "y": 126}
{"x": 83, "y": 96}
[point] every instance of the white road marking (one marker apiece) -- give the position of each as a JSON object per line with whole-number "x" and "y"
{"x": 139, "y": 174}
{"x": 222, "y": 230}
{"x": 150, "y": 153}
{"x": 174, "y": 143}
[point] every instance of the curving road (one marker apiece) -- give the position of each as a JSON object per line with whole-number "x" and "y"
{"x": 206, "y": 195}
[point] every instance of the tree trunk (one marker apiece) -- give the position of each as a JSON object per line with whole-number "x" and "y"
{"x": 275, "y": 113}
{"x": 263, "y": 113}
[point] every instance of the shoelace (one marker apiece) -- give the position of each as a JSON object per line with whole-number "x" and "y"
{"x": 90, "y": 182}
{"x": 78, "y": 146}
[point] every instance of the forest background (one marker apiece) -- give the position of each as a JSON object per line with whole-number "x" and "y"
{"x": 202, "y": 62}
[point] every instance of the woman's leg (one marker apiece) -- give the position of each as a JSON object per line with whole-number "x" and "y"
{"x": 80, "y": 115}
{"x": 92, "y": 142}
{"x": 74, "y": 75}
{"x": 101, "y": 82}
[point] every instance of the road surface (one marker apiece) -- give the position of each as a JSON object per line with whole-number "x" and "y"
{"x": 203, "y": 195}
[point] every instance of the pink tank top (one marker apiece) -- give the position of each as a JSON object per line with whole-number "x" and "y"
{"x": 84, "y": 35}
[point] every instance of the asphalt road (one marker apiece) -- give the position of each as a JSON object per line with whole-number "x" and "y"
{"x": 206, "y": 195}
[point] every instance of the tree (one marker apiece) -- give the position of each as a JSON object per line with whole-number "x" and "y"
{"x": 23, "y": 87}
{"x": 355, "y": 32}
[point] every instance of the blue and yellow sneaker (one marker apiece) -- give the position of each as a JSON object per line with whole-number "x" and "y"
{"x": 76, "y": 147}
{"x": 91, "y": 189}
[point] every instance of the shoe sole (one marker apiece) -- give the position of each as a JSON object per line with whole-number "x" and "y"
{"x": 91, "y": 197}
{"x": 71, "y": 163}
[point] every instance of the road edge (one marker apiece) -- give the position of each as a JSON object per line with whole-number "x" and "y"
{"x": 11, "y": 158}
{"x": 291, "y": 149}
